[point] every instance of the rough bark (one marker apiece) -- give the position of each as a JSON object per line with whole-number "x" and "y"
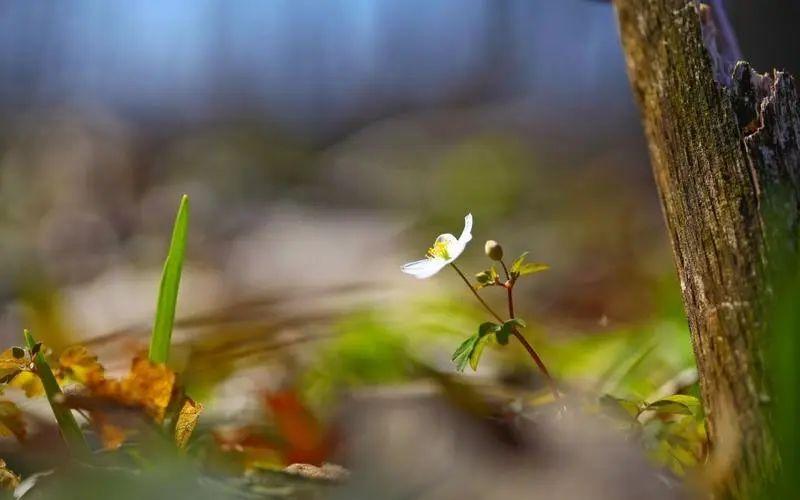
{"x": 725, "y": 156}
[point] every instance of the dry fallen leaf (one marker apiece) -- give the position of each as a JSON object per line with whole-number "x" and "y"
{"x": 187, "y": 421}
{"x": 9, "y": 364}
{"x": 28, "y": 382}
{"x": 305, "y": 439}
{"x": 148, "y": 385}
{"x": 80, "y": 365}
{"x": 111, "y": 435}
{"x": 8, "y": 480}
{"x": 11, "y": 422}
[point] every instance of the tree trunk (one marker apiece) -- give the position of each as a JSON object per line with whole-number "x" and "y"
{"x": 726, "y": 160}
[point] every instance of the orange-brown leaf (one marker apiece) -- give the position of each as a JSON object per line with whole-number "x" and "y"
{"x": 8, "y": 480}
{"x": 79, "y": 364}
{"x": 11, "y": 422}
{"x": 111, "y": 435}
{"x": 148, "y": 385}
{"x": 187, "y": 421}
{"x": 306, "y": 441}
{"x": 28, "y": 382}
{"x": 9, "y": 364}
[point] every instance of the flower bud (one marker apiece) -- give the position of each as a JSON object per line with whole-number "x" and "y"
{"x": 493, "y": 250}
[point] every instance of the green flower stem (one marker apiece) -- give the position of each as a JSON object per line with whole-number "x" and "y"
{"x": 528, "y": 347}
{"x": 66, "y": 422}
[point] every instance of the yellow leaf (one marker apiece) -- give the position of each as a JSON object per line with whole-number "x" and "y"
{"x": 187, "y": 421}
{"x": 9, "y": 364}
{"x": 8, "y": 480}
{"x": 28, "y": 382}
{"x": 148, "y": 385}
{"x": 11, "y": 422}
{"x": 77, "y": 363}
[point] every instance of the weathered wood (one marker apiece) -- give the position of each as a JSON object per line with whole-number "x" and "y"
{"x": 726, "y": 160}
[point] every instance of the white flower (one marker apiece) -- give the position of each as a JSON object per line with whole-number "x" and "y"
{"x": 445, "y": 250}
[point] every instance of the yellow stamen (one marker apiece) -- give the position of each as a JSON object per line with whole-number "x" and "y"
{"x": 439, "y": 250}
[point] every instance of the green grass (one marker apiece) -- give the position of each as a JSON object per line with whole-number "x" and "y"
{"x": 170, "y": 282}
{"x": 66, "y": 421}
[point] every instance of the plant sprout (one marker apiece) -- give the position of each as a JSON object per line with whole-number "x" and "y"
{"x": 168, "y": 290}
{"x": 445, "y": 250}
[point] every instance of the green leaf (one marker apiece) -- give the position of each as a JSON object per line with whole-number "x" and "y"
{"x": 502, "y": 337}
{"x": 488, "y": 327}
{"x": 618, "y": 407}
{"x": 66, "y": 422}
{"x": 665, "y": 407}
{"x": 507, "y": 329}
{"x": 515, "y": 267}
{"x": 521, "y": 268}
{"x": 531, "y": 268}
{"x": 462, "y": 355}
{"x": 678, "y": 402}
{"x": 487, "y": 278}
{"x": 471, "y": 349}
{"x": 477, "y": 350}
{"x": 170, "y": 282}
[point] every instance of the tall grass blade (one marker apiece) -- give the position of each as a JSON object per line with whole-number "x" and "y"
{"x": 66, "y": 421}
{"x": 170, "y": 282}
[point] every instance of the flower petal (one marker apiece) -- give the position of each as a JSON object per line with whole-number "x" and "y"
{"x": 466, "y": 234}
{"x": 424, "y": 268}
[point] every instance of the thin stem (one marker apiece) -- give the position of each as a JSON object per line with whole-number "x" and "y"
{"x": 477, "y": 296}
{"x": 536, "y": 359}
{"x": 508, "y": 275}
{"x": 528, "y": 347}
{"x": 509, "y": 286}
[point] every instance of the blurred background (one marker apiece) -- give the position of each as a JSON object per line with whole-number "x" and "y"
{"x": 324, "y": 144}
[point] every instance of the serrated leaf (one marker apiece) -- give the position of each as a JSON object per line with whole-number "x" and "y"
{"x": 477, "y": 351}
{"x": 464, "y": 351}
{"x": 28, "y": 382}
{"x": 170, "y": 283}
{"x": 148, "y": 386}
{"x": 79, "y": 364}
{"x": 471, "y": 349}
